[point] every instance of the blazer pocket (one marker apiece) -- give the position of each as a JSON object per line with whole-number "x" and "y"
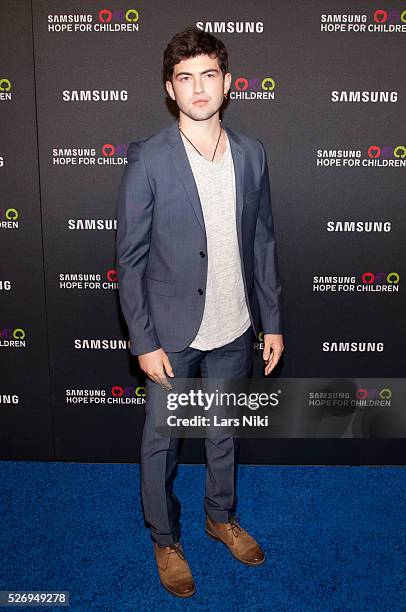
{"x": 251, "y": 196}
{"x": 161, "y": 287}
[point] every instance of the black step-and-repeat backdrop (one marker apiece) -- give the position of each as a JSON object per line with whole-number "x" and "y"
{"x": 322, "y": 85}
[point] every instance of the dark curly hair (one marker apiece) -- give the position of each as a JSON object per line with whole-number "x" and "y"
{"x": 189, "y": 43}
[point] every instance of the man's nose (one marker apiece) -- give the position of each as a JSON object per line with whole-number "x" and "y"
{"x": 198, "y": 85}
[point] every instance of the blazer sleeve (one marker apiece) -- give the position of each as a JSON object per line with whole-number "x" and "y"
{"x": 266, "y": 268}
{"x": 134, "y": 220}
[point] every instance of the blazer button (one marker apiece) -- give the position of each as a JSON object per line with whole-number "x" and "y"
{"x": 200, "y": 291}
{"x": 202, "y": 254}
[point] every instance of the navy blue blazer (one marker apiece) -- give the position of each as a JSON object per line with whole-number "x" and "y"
{"x": 161, "y": 245}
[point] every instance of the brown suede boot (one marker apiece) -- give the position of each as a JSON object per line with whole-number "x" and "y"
{"x": 174, "y": 571}
{"x": 238, "y": 541}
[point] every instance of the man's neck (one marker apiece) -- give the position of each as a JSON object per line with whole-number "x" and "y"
{"x": 203, "y": 132}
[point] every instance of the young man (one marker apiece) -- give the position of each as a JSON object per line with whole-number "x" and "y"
{"x": 199, "y": 277}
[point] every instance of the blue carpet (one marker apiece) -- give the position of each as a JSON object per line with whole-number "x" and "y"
{"x": 334, "y": 538}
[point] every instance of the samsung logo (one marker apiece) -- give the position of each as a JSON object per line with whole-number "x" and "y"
{"x": 358, "y": 226}
{"x": 9, "y": 398}
{"x": 232, "y": 27}
{"x": 96, "y": 344}
{"x": 94, "y": 95}
{"x": 364, "y": 96}
{"x": 92, "y": 224}
{"x": 353, "y": 347}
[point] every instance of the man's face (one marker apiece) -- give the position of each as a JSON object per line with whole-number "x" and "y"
{"x": 198, "y": 86}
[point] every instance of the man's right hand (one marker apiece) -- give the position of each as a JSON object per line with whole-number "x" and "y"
{"x": 155, "y": 364}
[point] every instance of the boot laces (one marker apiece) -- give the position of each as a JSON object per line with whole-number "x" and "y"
{"x": 234, "y": 526}
{"x": 177, "y": 548}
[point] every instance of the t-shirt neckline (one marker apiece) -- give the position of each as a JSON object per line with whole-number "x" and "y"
{"x": 204, "y": 159}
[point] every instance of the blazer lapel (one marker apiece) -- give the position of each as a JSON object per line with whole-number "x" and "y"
{"x": 238, "y": 155}
{"x": 185, "y": 174}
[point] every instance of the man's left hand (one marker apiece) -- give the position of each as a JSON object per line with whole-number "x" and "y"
{"x": 273, "y": 347}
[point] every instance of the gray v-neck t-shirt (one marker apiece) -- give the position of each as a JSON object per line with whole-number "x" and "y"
{"x": 225, "y": 315}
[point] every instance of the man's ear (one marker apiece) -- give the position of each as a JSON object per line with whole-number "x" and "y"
{"x": 169, "y": 89}
{"x": 227, "y": 82}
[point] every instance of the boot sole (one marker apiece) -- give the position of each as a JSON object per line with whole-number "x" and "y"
{"x": 214, "y": 537}
{"x": 178, "y": 594}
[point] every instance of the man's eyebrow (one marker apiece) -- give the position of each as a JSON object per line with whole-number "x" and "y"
{"x": 202, "y": 72}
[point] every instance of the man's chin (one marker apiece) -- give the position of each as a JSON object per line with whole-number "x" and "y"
{"x": 202, "y": 118}
{"x": 201, "y": 114}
